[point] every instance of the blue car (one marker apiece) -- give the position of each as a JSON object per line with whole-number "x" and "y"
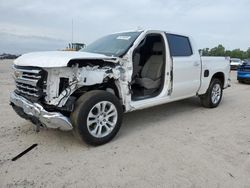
{"x": 243, "y": 72}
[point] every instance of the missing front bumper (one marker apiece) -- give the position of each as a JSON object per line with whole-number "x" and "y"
{"x": 53, "y": 120}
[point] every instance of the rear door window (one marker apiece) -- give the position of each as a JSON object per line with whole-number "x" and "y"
{"x": 179, "y": 45}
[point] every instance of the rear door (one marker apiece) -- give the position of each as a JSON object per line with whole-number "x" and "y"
{"x": 186, "y": 66}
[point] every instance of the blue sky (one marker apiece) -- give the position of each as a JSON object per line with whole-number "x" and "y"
{"x": 34, "y": 25}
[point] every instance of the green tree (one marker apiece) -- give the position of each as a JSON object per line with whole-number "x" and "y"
{"x": 217, "y": 51}
{"x": 237, "y": 53}
{"x": 228, "y": 53}
{"x": 205, "y": 51}
{"x": 248, "y": 53}
{"x": 221, "y": 51}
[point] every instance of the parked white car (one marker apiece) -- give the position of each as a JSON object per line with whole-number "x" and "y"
{"x": 235, "y": 63}
{"x": 88, "y": 91}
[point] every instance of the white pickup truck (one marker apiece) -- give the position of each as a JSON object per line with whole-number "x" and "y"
{"x": 88, "y": 91}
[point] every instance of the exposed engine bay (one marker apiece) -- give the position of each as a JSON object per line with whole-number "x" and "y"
{"x": 57, "y": 88}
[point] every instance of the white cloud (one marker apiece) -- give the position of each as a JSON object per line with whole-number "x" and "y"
{"x": 209, "y": 22}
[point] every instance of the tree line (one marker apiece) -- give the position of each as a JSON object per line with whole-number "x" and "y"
{"x": 221, "y": 51}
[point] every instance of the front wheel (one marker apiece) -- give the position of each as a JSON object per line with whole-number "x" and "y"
{"x": 97, "y": 117}
{"x": 213, "y": 96}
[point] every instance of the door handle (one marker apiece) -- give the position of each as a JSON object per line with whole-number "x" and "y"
{"x": 196, "y": 63}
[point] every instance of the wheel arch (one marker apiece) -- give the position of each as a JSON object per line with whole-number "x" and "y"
{"x": 205, "y": 82}
{"x": 220, "y": 76}
{"x": 108, "y": 85}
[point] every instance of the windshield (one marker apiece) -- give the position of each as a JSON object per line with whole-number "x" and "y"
{"x": 113, "y": 45}
{"x": 235, "y": 60}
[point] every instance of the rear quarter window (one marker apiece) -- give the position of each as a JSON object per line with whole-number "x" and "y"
{"x": 179, "y": 45}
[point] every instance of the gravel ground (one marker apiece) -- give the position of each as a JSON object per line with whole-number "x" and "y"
{"x": 179, "y": 144}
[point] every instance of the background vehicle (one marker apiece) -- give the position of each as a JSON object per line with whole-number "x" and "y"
{"x": 88, "y": 91}
{"x": 235, "y": 63}
{"x": 243, "y": 72}
{"x": 75, "y": 46}
{"x": 8, "y": 56}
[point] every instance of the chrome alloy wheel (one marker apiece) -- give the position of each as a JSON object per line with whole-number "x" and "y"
{"x": 216, "y": 93}
{"x": 102, "y": 119}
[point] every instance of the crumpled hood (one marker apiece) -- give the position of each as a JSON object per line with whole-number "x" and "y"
{"x": 56, "y": 58}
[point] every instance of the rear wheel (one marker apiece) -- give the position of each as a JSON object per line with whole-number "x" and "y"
{"x": 97, "y": 117}
{"x": 213, "y": 96}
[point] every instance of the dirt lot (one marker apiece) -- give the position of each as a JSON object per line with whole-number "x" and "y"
{"x": 174, "y": 145}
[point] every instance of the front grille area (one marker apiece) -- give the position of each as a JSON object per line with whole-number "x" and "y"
{"x": 30, "y": 82}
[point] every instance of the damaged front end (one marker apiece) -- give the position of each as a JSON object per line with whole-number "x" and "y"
{"x": 38, "y": 115}
{"x": 46, "y": 96}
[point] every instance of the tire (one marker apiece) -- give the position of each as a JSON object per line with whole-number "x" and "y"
{"x": 97, "y": 117}
{"x": 247, "y": 81}
{"x": 213, "y": 96}
{"x": 240, "y": 81}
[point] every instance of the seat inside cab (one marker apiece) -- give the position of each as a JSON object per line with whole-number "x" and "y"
{"x": 148, "y": 67}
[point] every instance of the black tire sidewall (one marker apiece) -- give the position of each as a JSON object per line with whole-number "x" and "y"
{"x": 206, "y": 99}
{"x": 214, "y": 81}
{"x": 84, "y": 110}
